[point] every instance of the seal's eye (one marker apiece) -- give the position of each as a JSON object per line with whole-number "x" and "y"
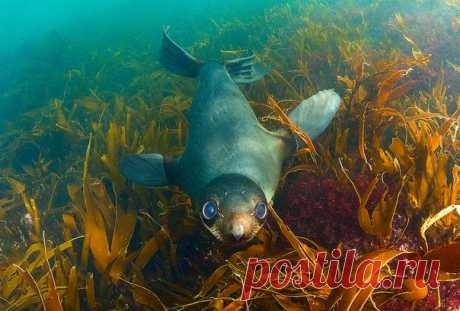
{"x": 261, "y": 210}
{"x": 209, "y": 210}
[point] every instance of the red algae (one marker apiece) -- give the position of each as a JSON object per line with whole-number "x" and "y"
{"x": 450, "y": 300}
{"x": 324, "y": 210}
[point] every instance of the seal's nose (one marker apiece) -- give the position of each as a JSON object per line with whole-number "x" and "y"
{"x": 237, "y": 231}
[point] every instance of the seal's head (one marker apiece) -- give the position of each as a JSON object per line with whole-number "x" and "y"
{"x": 233, "y": 208}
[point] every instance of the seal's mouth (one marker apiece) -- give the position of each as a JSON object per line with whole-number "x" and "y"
{"x": 237, "y": 231}
{"x": 239, "y": 227}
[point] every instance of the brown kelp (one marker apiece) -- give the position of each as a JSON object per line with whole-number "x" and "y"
{"x": 77, "y": 236}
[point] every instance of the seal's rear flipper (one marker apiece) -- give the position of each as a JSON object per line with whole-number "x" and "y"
{"x": 314, "y": 114}
{"x": 145, "y": 169}
{"x": 176, "y": 59}
{"x": 245, "y": 70}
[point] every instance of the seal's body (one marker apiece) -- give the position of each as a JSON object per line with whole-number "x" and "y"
{"x": 225, "y": 137}
{"x": 231, "y": 164}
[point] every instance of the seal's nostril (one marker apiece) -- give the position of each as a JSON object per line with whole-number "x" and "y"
{"x": 237, "y": 231}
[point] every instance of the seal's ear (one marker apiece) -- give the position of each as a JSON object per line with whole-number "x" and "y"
{"x": 245, "y": 70}
{"x": 145, "y": 169}
{"x": 314, "y": 114}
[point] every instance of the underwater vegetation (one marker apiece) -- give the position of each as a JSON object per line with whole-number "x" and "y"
{"x": 384, "y": 178}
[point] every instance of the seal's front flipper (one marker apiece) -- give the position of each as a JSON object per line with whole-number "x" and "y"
{"x": 245, "y": 70}
{"x": 176, "y": 59}
{"x": 314, "y": 114}
{"x": 146, "y": 169}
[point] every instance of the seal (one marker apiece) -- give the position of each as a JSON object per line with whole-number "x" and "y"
{"x": 231, "y": 164}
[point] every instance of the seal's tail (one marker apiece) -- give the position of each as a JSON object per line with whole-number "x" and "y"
{"x": 314, "y": 114}
{"x": 245, "y": 70}
{"x": 176, "y": 59}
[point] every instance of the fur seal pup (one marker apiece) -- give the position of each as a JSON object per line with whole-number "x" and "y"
{"x": 231, "y": 164}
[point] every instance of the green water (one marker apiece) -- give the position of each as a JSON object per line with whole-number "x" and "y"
{"x": 41, "y": 41}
